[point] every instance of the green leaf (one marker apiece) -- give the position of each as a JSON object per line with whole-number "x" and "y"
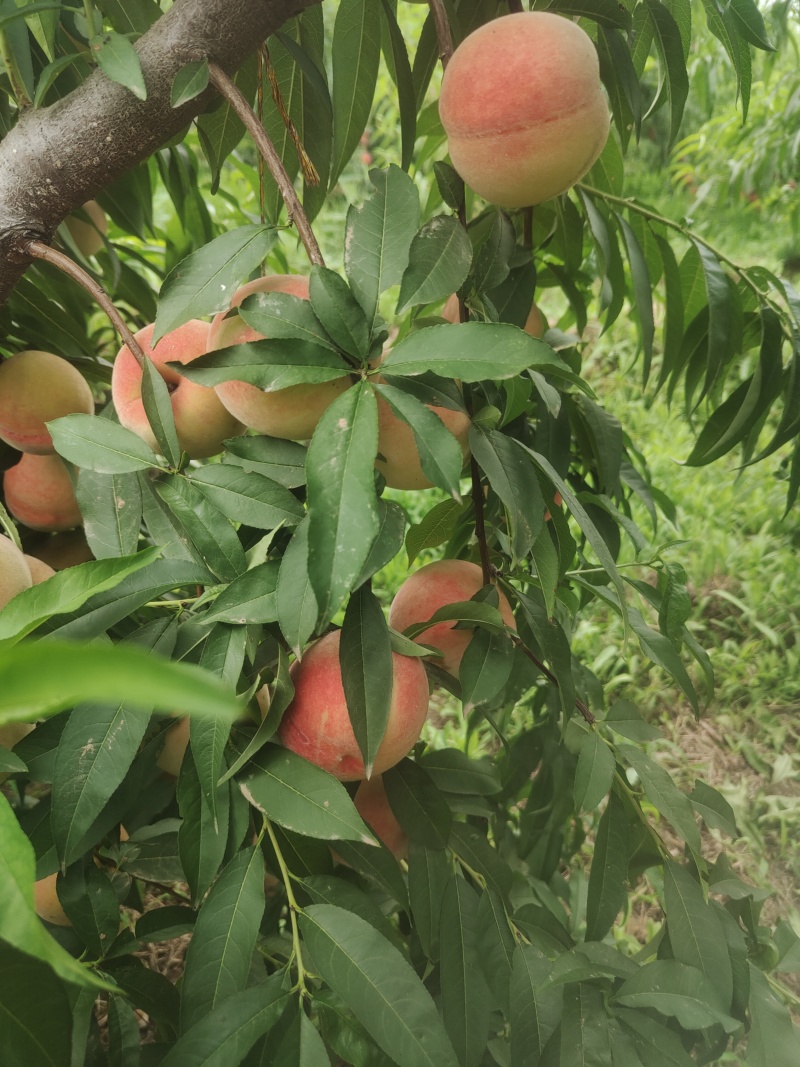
{"x": 100, "y": 445}
{"x": 111, "y": 505}
{"x": 339, "y": 312}
{"x": 750, "y": 24}
{"x": 642, "y": 293}
{"x": 342, "y": 505}
{"x": 471, "y": 351}
{"x": 603, "y": 12}
{"x": 189, "y": 82}
{"x": 248, "y": 497}
{"x": 624, "y": 719}
{"x": 35, "y": 1011}
{"x": 119, "y": 60}
{"x": 271, "y": 365}
{"x": 585, "y": 1036}
{"x": 378, "y": 237}
{"x": 158, "y": 409}
{"x": 355, "y": 56}
{"x": 419, "y": 807}
{"x": 673, "y": 78}
{"x": 429, "y": 871}
{"x": 365, "y": 658}
{"x": 218, "y": 957}
{"x": 534, "y": 1012}
{"x": 89, "y": 900}
{"x": 300, "y": 797}
{"x": 378, "y": 865}
{"x": 464, "y": 993}
{"x": 378, "y": 985}
{"x": 607, "y": 893}
{"x": 438, "y": 262}
{"x": 512, "y": 476}
{"x": 440, "y": 453}
{"x": 38, "y": 680}
{"x": 485, "y": 667}
{"x": 682, "y": 992}
{"x": 204, "y": 282}
{"x": 296, "y": 602}
{"x": 455, "y": 772}
{"x": 387, "y": 543}
{"x": 281, "y": 315}
{"x": 203, "y": 833}
{"x": 594, "y": 773}
{"x": 474, "y": 611}
{"x": 713, "y": 808}
{"x": 401, "y": 75}
{"x": 250, "y": 598}
{"x": 208, "y": 533}
{"x": 774, "y": 1040}
{"x": 664, "y": 795}
{"x": 327, "y": 889}
{"x": 282, "y": 694}
{"x": 472, "y": 846}
{"x": 123, "y": 1032}
{"x": 221, "y": 130}
{"x": 435, "y": 528}
{"x": 282, "y": 461}
{"x": 495, "y": 944}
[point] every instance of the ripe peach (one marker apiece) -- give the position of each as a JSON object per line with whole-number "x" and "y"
{"x": 39, "y": 493}
{"x": 88, "y": 236}
{"x": 62, "y": 550}
{"x": 535, "y": 325}
{"x": 401, "y": 466}
{"x": 373, "y": 806}
{"x": 291, "y": 413}
{"x": 40, "y": 571}
{"x": 201, "y": 422}
{"x": 14, "y": 573}
{"x": 433, "y": 586}
{"x": 13, "y": 732}
{"x": 46, "y": 902}
{"x": 176, "y": 739}
{"x": 36, "y": 387}
{"x": 523, "y": 108}
{"x": 316, "y": 724}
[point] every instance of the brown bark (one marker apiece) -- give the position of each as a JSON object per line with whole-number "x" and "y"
{"x": 58, "y": 157}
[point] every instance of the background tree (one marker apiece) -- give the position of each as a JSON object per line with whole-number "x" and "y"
{"x": 486, "y": 927}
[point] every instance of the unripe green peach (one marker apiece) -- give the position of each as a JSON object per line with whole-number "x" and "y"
{"x": 535, "y": 324}
{"x": 523, "y": 108}
{"x": 88, "y": 236}
{"x": 39, "y": 493}
{"x": 447, "y": 581}
{"x": 291, "y": 413}
{"x": 201, "y": 422}
{"x": 316, "y": 724}
{"x": 14, "y": 573}
{"x": 36, "y": 387}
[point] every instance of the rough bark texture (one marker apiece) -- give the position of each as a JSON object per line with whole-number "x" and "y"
{"x": 58, "y": 157}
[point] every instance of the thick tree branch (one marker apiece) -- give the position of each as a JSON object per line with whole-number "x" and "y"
{"x": 58, "y": 157}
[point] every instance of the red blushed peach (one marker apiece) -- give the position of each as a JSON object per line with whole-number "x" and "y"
{"x": 201, "y": 422}
{"x": 401, "y": 465}
{"x": 39, "y": 494}
{"x": 316, "y": 724}
{"x": 176, "y": 739}
{"x": 88, "y": 236}
{"x": 373, "y": 806}
{"x": 292, "y": 413}
{"x": 14, "y": 573}
{"x": 535, "y": 324}
{"x": 40, "y": 571}
{"x": 433, "y": 586}
{"x": 62, "y": 550}
{"x": 523, "y": 108}
{"x": 36, "y": 387}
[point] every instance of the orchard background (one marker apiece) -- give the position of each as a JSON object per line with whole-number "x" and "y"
{"x": 593, "y": 848}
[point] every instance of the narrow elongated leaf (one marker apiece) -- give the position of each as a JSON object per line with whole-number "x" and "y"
{"x": 250, "y": 598}
{"x": 88, "y": 898}
{"x": 438, "y": 262}
{"x": 440, "y": 453}
{"x": 535, "y": 1012}
{"x": 695, "y": 931}
{"x": 405, "y": 86}
{"x": 676, "y": 990}
{"x": 464, "y": 993}
{"x": 673, "y": 77}
{"x": 773, "y": 1041}
{"x": 248, "y": 497}
{"x": 455, "y": 772}
{"x": 283, "y": 315}
{"x": 387, "y": 543}
{"x": 189, "y": 82}
{"x": 495, "y": 946}
{"x": 327, "y": 889}
{"x": 205, "y": 280}
{"x": 609, "y": 870}
{"x": 282, "y": 461}
{"x": 301, "y": 797}
{"x": 158, "y": 409}
{"x": 111, "y": 505}
{"x": 119, "y": 60}
{"x": 210, "y": 534}
{"x": 485, "y": 667}
{"x": 378, "y": 985}
{"x": 721, "y": 334}
{"x": 100, "y": 445}
{"x": 36, "y": 1013}
{"x": 365, "y": 657}
{"x": 203, "y": 833}
{"x": 435, "y": 529}
{"x": 594, "y": 773}
{"x": 429, "y": 871}
{"x": 472, "y": 846}
{"x": 421, "y": 809}
{"x": 664, "y": 795}
{"x": 342, "y": 505}
{"x": 714, "y": 808}
{"x": 585, "y": 1036}
{"x": 218, "y": 957}
{"x": 339, "y": 312}
{"x": 378, "y": 865}
{"x": 355, "y": 55}
{"x": 512, "y": 476}
{"x": 296, "y": 601}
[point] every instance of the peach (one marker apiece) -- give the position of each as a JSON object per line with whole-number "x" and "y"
{"x": 39, "y": 493}
{"x": 535, "y": 325}
{"x": 291, "y": 413}
{"x": 88, "y": 236}
{"x": 401, "y": 465}
{"x": 40, "y": 571}
{"x": 13, "y": 732}
{"x": 201, "y": 422}
{"x": 46, "y": 902}
{"x": 523, "y": 108}
{"x": 176, "y": 739}
{"x": 447, "y": 581}
{"x": 62, "y": 550}
{"x": 316, "y": 724}
{"x": 373, "y": 806}
{"x": 14, "y": 573}
{"x": 36, "y": 387}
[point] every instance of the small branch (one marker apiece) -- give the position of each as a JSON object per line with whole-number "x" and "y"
{"x": 480, "y": 525}
{"x": 579, "y": 704}
{"x": 293, "y": 908}
{"x": 226, "y": 86}
{"x": 40, "y": 250}
{"x": 443, "y": 34}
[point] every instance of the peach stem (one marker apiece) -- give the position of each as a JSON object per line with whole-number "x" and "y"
{"x": 40, "y": 250}
{"x": 238, "y": 102}
{"x": 443, "y": 35}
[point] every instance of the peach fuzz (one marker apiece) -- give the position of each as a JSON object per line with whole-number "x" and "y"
{"x": 535, "y": 324}
{"x": 316, "y": 724}
{"x": 39, "y": 493}
{"x": 523, "y": 108}
{"x": 201, "y": 422}
{"x": 40, "y": 571}
{"x": 88, "y": 236}
{"x": 373, "y": 806}
{"x": 292, "y": 413}
{"x": 401, "y": 465}
{"x": 36, "y": 387}
{"x": 447, "y": 581}
{"x": 46, "y": 902}
{"x": 14, "y": 573}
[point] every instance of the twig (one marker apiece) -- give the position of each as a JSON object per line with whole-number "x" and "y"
{"x": 443, "y": 34}
{"x": 480, "y": 525}
{"x": 226, "y": 86}
{"x": 41, "y": 250}
{"x": 579, "y": 704}
{"x": 293, "y": 908}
